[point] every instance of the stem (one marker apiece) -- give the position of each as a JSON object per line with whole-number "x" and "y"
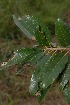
{"x": 56, "y": 49}
{"x": 60, "y": 49}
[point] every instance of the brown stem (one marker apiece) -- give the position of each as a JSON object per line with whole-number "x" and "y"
{"x": 57, "y": 49}
{"x": 50, "y": 50}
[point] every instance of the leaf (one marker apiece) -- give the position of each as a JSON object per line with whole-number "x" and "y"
{"x": 62, "y": 32}
{"x": 43, "y": 60}
{"x": 66, "y": 76}
{"x": 34, "y": 57}
{"x": 41, "y": 92}
{"x": 42, "y": 36}
{"x": 46, "y": 72}
{"x": 29, "y": 25}
{"x": 19, "y": 57}
{"x": 36, "y": 76}
{"x": 54, "y": 67}
{"x": 66, "y": 94}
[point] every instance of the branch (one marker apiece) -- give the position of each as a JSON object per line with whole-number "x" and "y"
{"x": 56, "y": 49}
{"x": 67, "y": 49}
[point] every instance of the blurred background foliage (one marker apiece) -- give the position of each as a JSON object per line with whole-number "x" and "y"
{"x": 47, "y": 10}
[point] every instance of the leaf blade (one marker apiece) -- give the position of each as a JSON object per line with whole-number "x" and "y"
{"x": 29, "y": 25}
{"x": 62, "y": 33}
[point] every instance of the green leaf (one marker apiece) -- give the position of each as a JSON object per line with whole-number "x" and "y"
{"x": 43, "y": 60}
{"x": 62, "y": 32}
{"x": 29, "y": 25}
{"x": 46, "y": 72}
{"x": 41, "y": 92}
{"x": 42, "y": 36}
{"x": 54, "y": 67}
{"x": 19, "y": 57}
{"x": 66, "y": 76}
{"x": 66, "y": 94}
{"x": 37, "y": 75}
{"x": 35, "y": 56}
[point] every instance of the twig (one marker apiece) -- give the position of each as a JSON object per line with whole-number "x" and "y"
{"x": 58, "y": 49}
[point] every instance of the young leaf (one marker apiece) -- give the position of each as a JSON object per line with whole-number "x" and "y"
{"x": 62, "y": 32}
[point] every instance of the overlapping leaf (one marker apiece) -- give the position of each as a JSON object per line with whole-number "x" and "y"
{"x": 64, "y": 87}
{"x": 62, "y": 32}
{"x": 42, "y": 36}
{"x": 46, "y": 73}
{"x": 66, "y": 93}
{"x": 23, "y": 55}
{"x": 66, "y": 76}
{"x": 34, "y": 57}
{"x": 36, "y": 85}
{"x": 54, "y": 67}
{"x": 29, "y": 25}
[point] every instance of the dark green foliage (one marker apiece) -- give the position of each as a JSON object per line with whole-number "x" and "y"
{"x": 66, "y": 93}
{"x": 38, "y": 73}
{"x": 64, "y": 87}
{"x": 47, "y": 72}
{"x": 62, "y": 32}
{"x": 49, "y": 62}
{"x": 20, "y": 56}
{"x": 32, "y": 26}
{"x": 43, "y": 36}
{"x": 66, "y": 76}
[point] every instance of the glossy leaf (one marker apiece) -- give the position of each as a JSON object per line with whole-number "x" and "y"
{"x": 47, "y": 72}
{"x": 62, "y": 32}
{"x": 34, "y": 57}
{"x": 20, "y": 57}
{"x": 29, "y": 25}
{"x": 66, "y": 76}
{"x": 37, "y": 75}
{"x": 66, "y": 94}
{"x": 42, "y": 36}
{"x": 53, "y": 68}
